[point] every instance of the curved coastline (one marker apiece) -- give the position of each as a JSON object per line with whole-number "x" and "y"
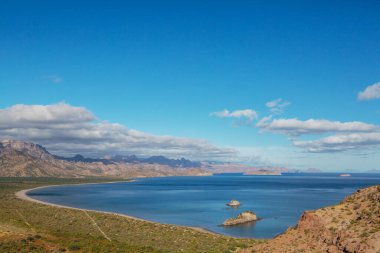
{"x": 23, "y": 195}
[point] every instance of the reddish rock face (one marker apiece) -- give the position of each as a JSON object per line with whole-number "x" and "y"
{"x": 309, "y": 221}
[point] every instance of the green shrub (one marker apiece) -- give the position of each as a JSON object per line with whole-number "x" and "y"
{"x": 74, "y": 247}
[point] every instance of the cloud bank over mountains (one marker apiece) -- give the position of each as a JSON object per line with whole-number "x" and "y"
{"x": 65, "y": 129}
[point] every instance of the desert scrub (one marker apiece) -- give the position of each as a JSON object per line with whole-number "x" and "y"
{"x": 74, "y": 247}
{"x": 356, "y": 206}
{"x": 364, "y": 234}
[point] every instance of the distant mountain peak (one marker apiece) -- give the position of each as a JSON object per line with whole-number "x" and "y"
{"x": 29, "y": 148}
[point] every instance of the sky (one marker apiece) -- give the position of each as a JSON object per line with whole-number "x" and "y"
{"x": 265, "y": 83}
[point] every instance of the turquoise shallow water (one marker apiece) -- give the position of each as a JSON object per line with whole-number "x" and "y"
{"x": 200, "y": 201}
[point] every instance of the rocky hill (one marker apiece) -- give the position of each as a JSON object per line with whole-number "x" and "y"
{"x": 25, "y": 159}
{"x": 351, "y": 226}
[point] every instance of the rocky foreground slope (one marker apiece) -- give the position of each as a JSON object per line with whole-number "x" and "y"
{"x": 25, "y": 159}
{"x": 351, "y": 226}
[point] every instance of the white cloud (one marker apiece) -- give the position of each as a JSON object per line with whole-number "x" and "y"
{"x": 67, "y": 130}
{"x": 371, "y": 92}
{"x": 341, "y": 142}
{"x": 247, "y": 113}
{"x": 277, "y": 106}
{"x": 352, "y": 135}
{"x": 295, "y": 127}
{"x": 43, "y": 115}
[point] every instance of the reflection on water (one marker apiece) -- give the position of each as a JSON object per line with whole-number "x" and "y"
{"x": 36, "y": 194}
{"x": 244, "y": 229}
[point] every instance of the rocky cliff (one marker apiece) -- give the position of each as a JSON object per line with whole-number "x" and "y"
{"x": 351, "y": 226}
{"x": 25, "y": 159}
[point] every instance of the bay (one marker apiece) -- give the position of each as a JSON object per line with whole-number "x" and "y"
{"x": 201, "y": 201}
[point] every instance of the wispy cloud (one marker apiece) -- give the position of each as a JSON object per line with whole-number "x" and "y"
{"x": 65, "y": 129}
{"x": 277, "y": 106}
{"x": 54, "y": 78}
{"x": 370, "y": 93}
{"x": 248, "y": 114}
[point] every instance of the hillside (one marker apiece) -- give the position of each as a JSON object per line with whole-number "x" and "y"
{"x": 351, "y": 226}
{"x": 25, "y": 159}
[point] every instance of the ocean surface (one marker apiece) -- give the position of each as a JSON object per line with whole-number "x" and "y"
{"x": 201, "y": 201}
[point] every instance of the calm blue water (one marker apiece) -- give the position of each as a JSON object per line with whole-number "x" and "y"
{"x": 200, "y": 201}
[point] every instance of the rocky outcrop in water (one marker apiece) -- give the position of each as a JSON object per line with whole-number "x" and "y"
{"x": 233, "y": 203}
{"x": 244, "y": 217}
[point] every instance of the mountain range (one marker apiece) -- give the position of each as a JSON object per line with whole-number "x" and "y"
{"x": 174, "y": 163}
{"x": 26, "y": 159}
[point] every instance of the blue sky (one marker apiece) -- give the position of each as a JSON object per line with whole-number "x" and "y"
{"x": 163, "y": 67}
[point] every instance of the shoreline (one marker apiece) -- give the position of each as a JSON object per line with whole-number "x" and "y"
{"x": 23, "y": 195}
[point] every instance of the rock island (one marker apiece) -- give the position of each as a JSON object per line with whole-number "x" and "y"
{"x": 233, "y": 203}
{"x": 244, "y": 217}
